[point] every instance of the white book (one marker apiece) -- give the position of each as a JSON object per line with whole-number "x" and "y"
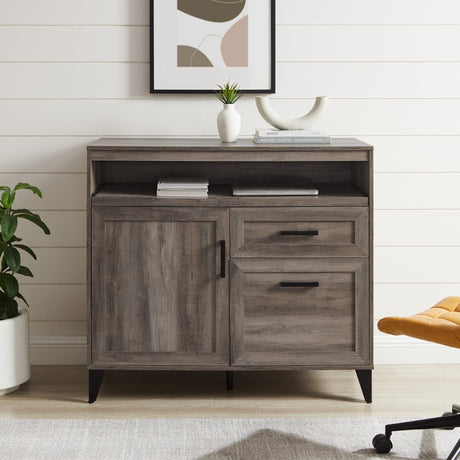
{"x": 289, "y": 132}
{"x": 182, "y": 183}
{"x": 274, "y": 191}
{"x": 293, "y": 140}
{"x": 182, "y": 193}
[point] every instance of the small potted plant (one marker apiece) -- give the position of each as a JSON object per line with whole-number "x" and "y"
{"x": 228, "y": 120}
{"x": 14, "y": 319}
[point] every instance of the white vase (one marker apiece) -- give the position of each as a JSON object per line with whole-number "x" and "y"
{"x": 14, "y": 352}
{"x": 229, "y": 123}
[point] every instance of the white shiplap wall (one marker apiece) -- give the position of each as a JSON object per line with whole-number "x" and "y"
{"x": 74, "y": 71}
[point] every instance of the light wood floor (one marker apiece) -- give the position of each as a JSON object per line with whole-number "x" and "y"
{"x": 399, "y": 390}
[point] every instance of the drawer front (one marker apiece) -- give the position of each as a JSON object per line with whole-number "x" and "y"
{"x": 299, "y": 232}
{"x": 300, "y": 313}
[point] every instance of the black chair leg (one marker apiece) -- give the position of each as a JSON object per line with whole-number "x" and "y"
{"x": 454, "y": 455}
{"x": 383, "y": 444}
{"x": 95, "y": 382}
{"x": 427, "y": 423}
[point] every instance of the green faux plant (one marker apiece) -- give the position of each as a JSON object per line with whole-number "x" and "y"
{"x": 10, "y": 247}
{"x": 229, "y": 93}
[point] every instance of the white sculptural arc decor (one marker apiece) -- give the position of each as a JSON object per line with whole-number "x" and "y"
{"x": 281, "y": 122}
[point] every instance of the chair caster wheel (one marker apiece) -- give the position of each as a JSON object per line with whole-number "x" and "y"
{"x": 382, "y": 444}
{"x": 448, "y": 414}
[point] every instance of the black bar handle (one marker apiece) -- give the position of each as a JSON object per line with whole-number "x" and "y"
{"x": 222, "y": 259}
{"x": 299, "y": 232}
{"x": 299, "y": 284}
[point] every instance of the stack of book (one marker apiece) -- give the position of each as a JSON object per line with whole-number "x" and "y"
{"x": 183, "y": 187}
{"x": 309, "y": 136}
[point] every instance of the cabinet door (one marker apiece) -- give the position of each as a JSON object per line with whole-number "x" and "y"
{"x": 313, "y": 312}
{"x": 158, "y": 295}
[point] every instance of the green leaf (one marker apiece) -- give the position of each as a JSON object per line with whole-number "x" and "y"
{"x": 23, "y": 185}
{"x": 26, "y": 249}
{"x": 4, "y": 266}
{"x": 9, "y": 225}
{"x": 24, "y": 271}
{"x": 35, "y": 218}
{"x": 13, "y": 258}
{"x": 8, "y": 198}
{"x": 21, "y": 211}
{"x": 20, "y": 296}
{"x": 9, "y": 284}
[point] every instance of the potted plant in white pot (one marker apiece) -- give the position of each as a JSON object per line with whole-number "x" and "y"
{"x": 14, "y": 319}
{"x": 228, "y": 120}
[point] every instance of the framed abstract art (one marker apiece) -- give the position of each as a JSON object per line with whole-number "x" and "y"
{"x": 197, "y": 44}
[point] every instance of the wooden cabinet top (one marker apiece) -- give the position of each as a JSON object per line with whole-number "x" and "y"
{"x": 211, "y": 149}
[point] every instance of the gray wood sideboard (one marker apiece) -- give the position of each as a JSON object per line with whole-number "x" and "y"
{"x": 229, "y": 283}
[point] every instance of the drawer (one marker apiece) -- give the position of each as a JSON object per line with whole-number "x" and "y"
{"x": 300, "y": 312}
{"x": 299, "y": 232}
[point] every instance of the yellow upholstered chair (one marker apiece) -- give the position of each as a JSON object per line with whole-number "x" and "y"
{"x": 439, "y": 324}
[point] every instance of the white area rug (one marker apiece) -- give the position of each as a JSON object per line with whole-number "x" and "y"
{"x": 215, "y": 439}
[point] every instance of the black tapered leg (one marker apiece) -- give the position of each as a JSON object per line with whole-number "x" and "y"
{"x": 229, "y": 380}
{"x": 95, "y": 382}
{"x": 365, "y": 382}
{"x": 455, "y": 454}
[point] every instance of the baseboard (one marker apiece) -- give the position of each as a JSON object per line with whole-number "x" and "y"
{"x": 63, "y": 350}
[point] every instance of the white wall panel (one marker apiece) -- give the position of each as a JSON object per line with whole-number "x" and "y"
{"x": 417, "y": 265}
{"x": 43, "y": 154}
{"x": 325, "y": 43}
{"x": 68, "y": 229}
{"x": 409, "y": 299}
{"x": 122, "y": 12}
{"x": 417, "y": 191}
{"x": 56, "y": 266}
{"x": 74, "y": 43}
{"x": 416, "y": 154}
{"x": 135, "y": 12}
{"x": 172, "y": 116}
{"x": 56, "y": 302}
{"x": 367, "y": 12}
{"x": 368, "y": 43}
{"x": 417, "y": 228}
{"x": 60, "y": 191}
{"x": 307, "y": 79}
{"x": 74, "y": 80}
{"x": 393, "y": 80}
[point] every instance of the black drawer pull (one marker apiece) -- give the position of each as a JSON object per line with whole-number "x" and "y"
{"x": 222, "y": 259}
{"x": 299, "y": 284}
{"x": 299, "y": 232}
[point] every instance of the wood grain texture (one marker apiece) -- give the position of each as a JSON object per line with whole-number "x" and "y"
{"x": 271, "y": 327}
{"x": 342, "y": 232}
{"x": 144, "y": 195}
{"x": 300, "y": 326}
{"x": 157, "y": 297}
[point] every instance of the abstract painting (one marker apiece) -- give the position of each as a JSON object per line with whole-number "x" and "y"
{"x": 197, "y": 44}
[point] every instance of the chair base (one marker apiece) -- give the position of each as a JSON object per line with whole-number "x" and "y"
{"x": 450, "y": 420}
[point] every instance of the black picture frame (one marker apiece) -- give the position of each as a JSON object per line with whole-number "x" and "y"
{"x": 155, "y": 89}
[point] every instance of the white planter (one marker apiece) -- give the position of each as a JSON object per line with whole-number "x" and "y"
{"x": 14, "y": 352}
{"x": 229, "y": 123}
